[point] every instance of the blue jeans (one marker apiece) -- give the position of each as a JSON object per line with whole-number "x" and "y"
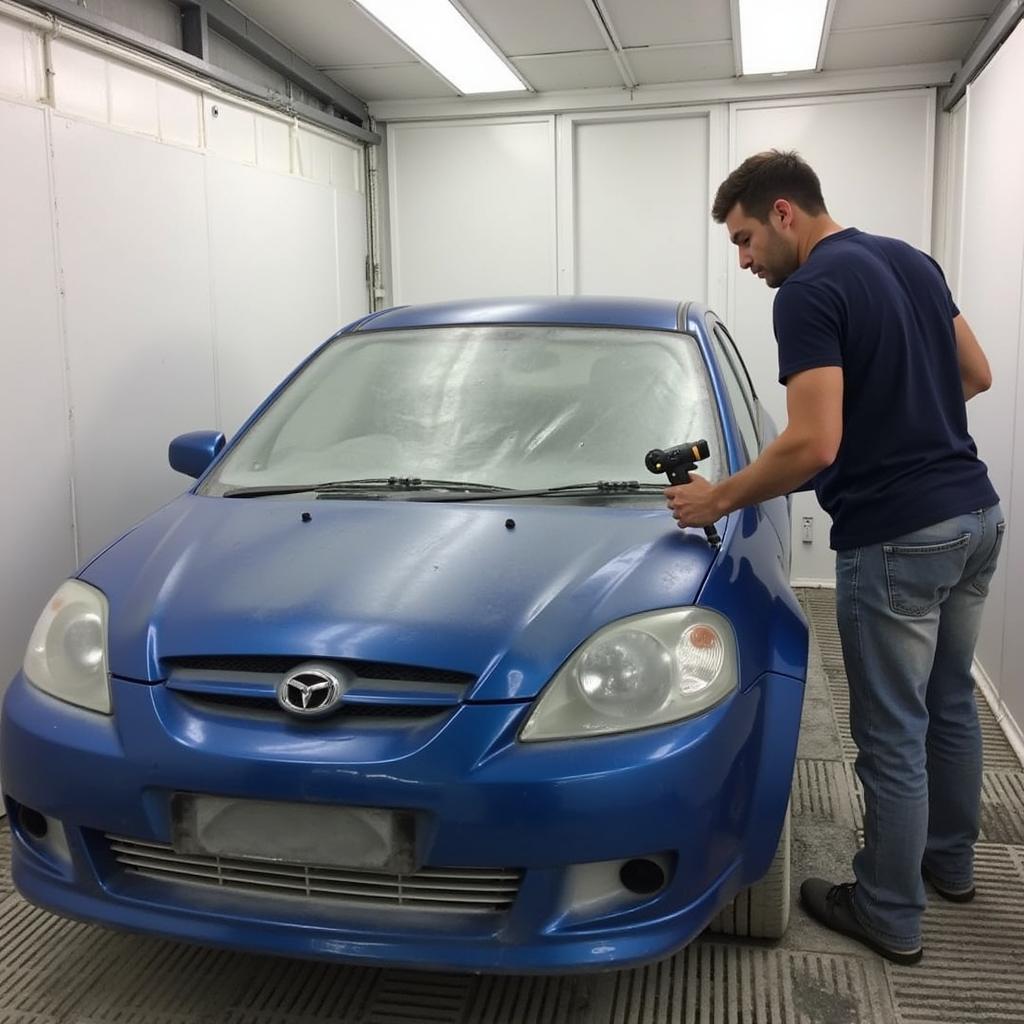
{"x": 909, "y": 613}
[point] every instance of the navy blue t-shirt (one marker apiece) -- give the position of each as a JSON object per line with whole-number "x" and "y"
{"x": 881, "y": 310}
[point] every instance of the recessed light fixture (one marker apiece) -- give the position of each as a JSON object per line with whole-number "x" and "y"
{"x": 439, "y": 35}
{"x": 780, "y": 35}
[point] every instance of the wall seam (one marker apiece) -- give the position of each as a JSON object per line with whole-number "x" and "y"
{"x": 62, "y": 331}
{"x": 217, "y": 403}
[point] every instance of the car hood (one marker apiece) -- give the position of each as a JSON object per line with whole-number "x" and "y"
{"x": 505, "y": 591}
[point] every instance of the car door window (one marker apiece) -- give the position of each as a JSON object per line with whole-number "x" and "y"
{"x": 741, "y": 395}
{"x": 733, "y": 354}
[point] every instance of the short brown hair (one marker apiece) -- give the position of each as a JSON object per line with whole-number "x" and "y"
{"x": 765, "y": 177}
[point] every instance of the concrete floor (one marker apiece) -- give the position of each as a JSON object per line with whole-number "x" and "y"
{"x": 53, "y": 970}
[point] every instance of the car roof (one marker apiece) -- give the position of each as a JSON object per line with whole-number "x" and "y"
{"x": 604, "y": 311}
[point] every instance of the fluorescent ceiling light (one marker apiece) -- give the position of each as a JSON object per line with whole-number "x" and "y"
{"x": 437, "y": 33}
{"x": 780, "y": 35}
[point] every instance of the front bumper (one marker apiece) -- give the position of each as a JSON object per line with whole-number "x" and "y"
{"x": 708, "y": 796}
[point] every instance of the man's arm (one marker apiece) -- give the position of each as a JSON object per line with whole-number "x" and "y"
{"x": 975, "y": 372}
{"x": 810, "y": 443}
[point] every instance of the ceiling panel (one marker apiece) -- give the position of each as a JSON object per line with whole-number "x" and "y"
{"x": 660, "y": 64}
{"x": 873, "y": 13}
{"x": 556, "y": 44}
{"x": 327, "y": 33}
{"x": 681, "y": 21}
{"x": 911, "y": 44}
{"x": 536, "y": 26}
{"x": 592, "y": 70}
{"x": 391, "y": 82}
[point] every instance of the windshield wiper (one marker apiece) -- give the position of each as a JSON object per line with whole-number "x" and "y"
{"x": 595, "y": 488}
{"x": 372, "y": 483}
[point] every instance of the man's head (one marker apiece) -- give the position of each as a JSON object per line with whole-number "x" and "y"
{"x": 771, "y": 205}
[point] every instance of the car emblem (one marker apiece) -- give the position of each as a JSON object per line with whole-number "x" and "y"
{"x": 311, "y": 691}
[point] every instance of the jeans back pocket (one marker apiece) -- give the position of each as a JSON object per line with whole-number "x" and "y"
{"x": 983, "y": 577}
{"x": 919, "y": 576}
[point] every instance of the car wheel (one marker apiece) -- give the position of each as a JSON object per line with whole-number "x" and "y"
{"x": 762, "y": 911}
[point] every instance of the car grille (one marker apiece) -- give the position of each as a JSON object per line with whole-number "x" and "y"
{"x": 463, "y": 890}
{"x": 247, "y": 685}
{"x": 282, "y": 664}
{"x": 270, "y": 706}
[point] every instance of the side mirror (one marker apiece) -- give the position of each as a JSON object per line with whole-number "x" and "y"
{"x": 191, "y": 454}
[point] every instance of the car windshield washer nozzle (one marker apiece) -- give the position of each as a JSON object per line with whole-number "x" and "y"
{"x": 678, "y": 463}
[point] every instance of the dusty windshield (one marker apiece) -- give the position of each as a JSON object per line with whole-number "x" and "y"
{"x": 509, "y": 406}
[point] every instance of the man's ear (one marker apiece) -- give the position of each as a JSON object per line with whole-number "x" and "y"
{"x": 783, "y": 209}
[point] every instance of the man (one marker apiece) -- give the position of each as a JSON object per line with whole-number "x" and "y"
{"x": 878, "y": 363}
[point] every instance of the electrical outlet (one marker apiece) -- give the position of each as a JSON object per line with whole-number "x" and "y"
{"x": 807, "y": 530}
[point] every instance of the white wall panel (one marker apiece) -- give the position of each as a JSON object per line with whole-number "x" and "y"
{"x": 472, "y": 209}
{"x": 20, "y": 62}
{"x": 314, "y": 153}
{"x": 180, "y": 114}
{"x": 272, "y": 303}
{"x": 640, "y": 224}
{"x": 991, "y": 269}
{"x": 874, "y": 157}
{"x": 79, "y": 81}
{"x": 347, "y": 168}
{"x": 36, "y": 540}
{"x": 133, "y": 99}
{"x": 136, "y": 272}
{"x": 274, "y": 144}
{"x": 12, "y": 61}
{"x": 230, "y": 130}
{"x": 106, "y": 90}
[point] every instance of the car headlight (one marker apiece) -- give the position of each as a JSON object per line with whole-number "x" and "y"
{"x": 646, "y": 670}
{"x": 67, "y": 653}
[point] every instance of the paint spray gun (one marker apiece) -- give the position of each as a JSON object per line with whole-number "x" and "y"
{"x": 678, "y": 463}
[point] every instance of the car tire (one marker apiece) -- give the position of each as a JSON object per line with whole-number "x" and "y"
{"x": 762, "y": 911}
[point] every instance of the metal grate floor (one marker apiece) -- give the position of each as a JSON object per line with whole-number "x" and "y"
{"x": 53, "y": 970}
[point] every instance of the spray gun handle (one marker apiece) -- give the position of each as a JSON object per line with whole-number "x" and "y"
{"x": 677, "y": 464}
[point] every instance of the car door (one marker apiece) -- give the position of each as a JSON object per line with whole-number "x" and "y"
{"x": 755, "y": 426}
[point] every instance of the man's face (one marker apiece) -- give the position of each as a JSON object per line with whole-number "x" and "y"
{"x": 767, "y": 250}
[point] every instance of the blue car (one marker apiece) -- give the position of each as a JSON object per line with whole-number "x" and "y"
{"x": 422, "y": 672}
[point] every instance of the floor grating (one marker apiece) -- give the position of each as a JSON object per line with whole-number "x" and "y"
{"x": 54, "y": 971}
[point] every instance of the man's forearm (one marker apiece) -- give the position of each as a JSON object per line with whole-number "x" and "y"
{"x": 786, "y": 464}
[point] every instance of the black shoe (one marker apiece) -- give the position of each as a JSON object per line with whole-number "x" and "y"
{"x": 832, "y": 906}
{"x": 963, "y": 896}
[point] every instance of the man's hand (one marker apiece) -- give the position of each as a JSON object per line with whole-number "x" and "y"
{"x": 695, "y": 503}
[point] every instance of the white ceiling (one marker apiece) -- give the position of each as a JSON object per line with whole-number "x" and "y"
{"x": 556, "y": 45}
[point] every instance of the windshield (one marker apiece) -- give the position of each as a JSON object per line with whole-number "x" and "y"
{"x": 509, "y": 406}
